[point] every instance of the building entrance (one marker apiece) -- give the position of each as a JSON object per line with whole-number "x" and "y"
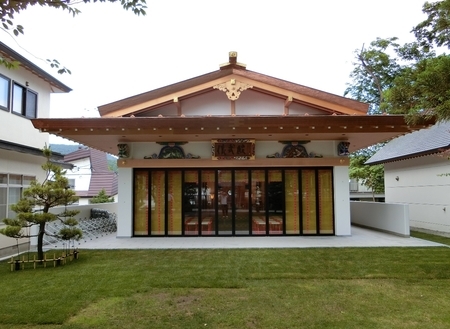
{"x": 232, "y": 202}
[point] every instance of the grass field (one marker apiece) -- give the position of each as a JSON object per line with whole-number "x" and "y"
{"x": 235, "y": 288}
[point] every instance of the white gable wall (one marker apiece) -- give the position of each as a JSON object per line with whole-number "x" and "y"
{"x": 420, "y": 186}
{"x": 81, "y": 173}
{"x": 217, "y": 103}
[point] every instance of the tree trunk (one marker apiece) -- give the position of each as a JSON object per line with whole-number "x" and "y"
{"x": 40, "y": 244}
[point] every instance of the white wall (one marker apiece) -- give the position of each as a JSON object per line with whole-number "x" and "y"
{"x": 16, "y": 128}
{"x": 392, "y": 218}
{"x": 420, "y": 186}
{"x": 125, "y": 204}
{"x": 81, "y": 173}
{"x": 341, "y": 201}
{"x": 21, "y": 164}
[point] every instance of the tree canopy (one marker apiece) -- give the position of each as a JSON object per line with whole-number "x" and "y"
{"x": 435, "y": 30}
{"x": 407, "y": 79}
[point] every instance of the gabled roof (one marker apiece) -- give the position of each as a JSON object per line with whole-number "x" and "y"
{"x": 419, "y": 143}
{"x": 288, "y": 91}
{"x": 101, "y": 176}
{"x": 131, "y": 120}
{"x": 11, "y": 54}
{"x": 98, "y": 159}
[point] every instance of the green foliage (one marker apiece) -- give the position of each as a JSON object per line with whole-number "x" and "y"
{"x": 102, "y": 197}
{"x": 33, "y": 208}
{"x": 8, "y": 63}
{"x": 404, "y": 79}
{"x": 112, "y": 165}
{"x": 370, "y": 176}
{"x": 376, "y": 69}
{"x": 373, "y": 72}
{"x": 435, "y": 30}
{"x": 422, "y": 90}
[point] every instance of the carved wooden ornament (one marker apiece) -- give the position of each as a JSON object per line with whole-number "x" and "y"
{"x": 232, "y": 88}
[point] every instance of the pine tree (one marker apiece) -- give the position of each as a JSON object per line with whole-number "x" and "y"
{"x": 33, "y": 208}
{"x": 102, "y": 197}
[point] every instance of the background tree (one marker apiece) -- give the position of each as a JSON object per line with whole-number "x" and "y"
{"x": 435, "y": 30}
{"x": 102, "y": 197}
{"x": 370, "y": 176}
{"x": 404, "y": 79}
{"x": 33, "y": 208}
{"x": 374, "y": 71}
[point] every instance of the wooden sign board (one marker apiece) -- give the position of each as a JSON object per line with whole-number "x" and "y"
{"x": 233, "y": 149}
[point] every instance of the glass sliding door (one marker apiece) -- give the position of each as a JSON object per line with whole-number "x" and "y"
{"x": 142, "y": 204}
{"x": 191, "y": 202}
{"x": 325, "y": 196}
{"x": 241, "y": 202}
{"x": 174, "y": 202}
{"x": 258, "y": 199}
{"x": 275, "y": 199}
{"x": 291, "y": 191}
{"x": 225, "y": 197}
{"x": 207, "y": 204}
{"x": 309, "y": 203}
{"x": 158, "y": 212}
{"x": 262, "y": 201}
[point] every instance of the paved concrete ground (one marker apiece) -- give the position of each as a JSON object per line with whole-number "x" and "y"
{"x": 361, "y": 237}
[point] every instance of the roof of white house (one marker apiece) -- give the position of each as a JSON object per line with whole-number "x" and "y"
{"x": 419, "y": 143}
{"x": 13, "y": 55}
{"x": 101, "y": 176}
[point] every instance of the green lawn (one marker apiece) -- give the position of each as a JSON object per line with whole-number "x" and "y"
{"x": 238, "y": 288}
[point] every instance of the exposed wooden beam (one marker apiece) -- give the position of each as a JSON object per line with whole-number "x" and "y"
{"x": 178, "y": 105}
{"x": 287, "y": 103}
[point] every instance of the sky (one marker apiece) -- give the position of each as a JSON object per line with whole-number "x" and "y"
{"x": 114, "y": 54}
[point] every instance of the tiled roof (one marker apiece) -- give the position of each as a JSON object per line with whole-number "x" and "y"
{"x": 419, "y": 143}
{"x": 101, "y": 176}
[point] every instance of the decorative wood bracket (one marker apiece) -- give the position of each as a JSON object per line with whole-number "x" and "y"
{"x": 232, "y": 88}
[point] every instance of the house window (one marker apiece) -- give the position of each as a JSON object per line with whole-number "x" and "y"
{"x": 4, "y": 93}
{"x": 24, "y": 101}
{"x": 71, "y": 183}
{"x": 11, "y": 189}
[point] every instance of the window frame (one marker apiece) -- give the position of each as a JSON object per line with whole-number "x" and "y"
{"x": 8, "y": 94}
{"x": 8, "y": 185}
{"x": 25, "y": 101}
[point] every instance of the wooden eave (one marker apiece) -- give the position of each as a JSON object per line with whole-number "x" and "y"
{"x": 105, "y": 133}
{"x": 205, "y": 83}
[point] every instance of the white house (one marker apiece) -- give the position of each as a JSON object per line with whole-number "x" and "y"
{"x": 414, "y": 171}
{"x": 232, "y": 153}
{"x": 90, "y": 174}
{"x": 24, "y": 95}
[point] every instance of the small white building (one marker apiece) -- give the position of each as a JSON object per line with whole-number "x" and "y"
{"x": 414, "y": 171}
{"x": 90, "y": 174}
